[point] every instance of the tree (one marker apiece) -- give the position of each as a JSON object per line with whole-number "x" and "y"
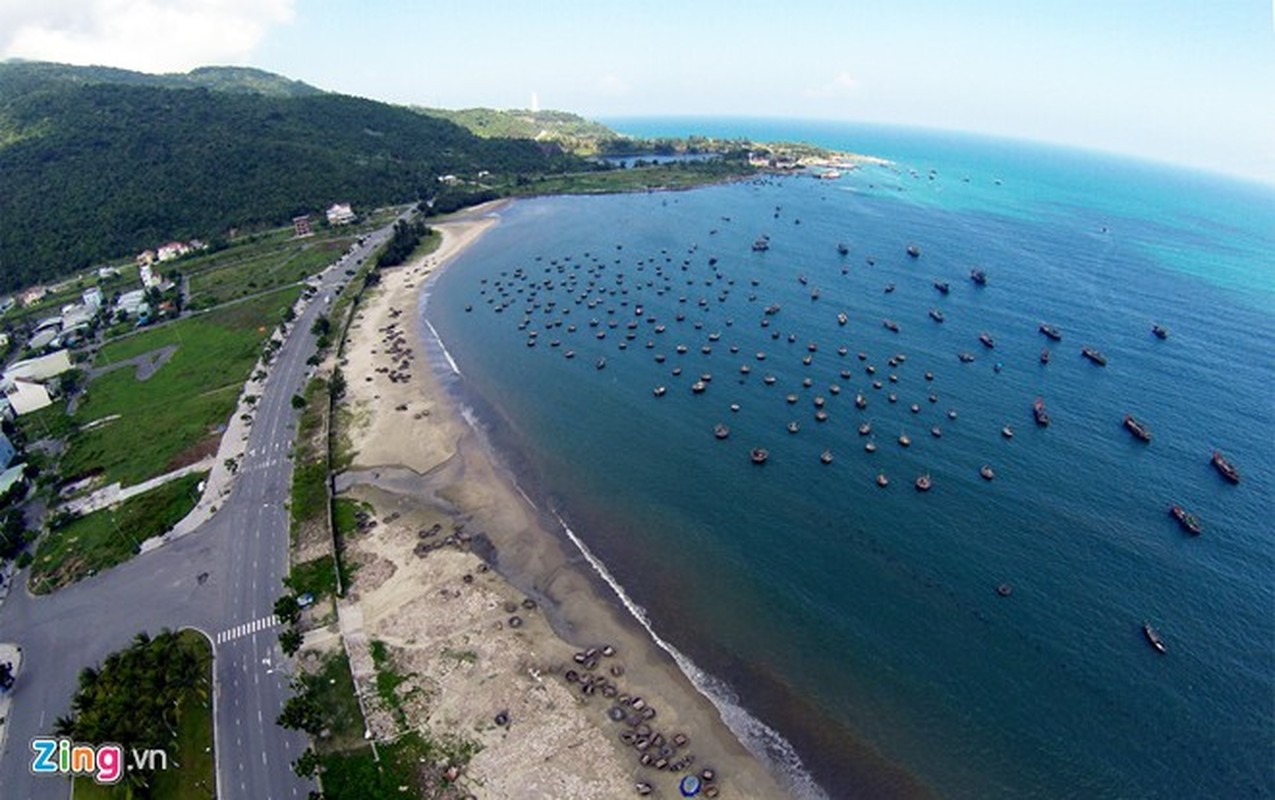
{"x": 298, "y": 401}
{"x": 287, "y": 609}
{"x": 290, "y": 641}
{"x": 302, "y": 712}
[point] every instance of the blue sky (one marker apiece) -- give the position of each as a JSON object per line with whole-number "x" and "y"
{"x": 1175, "y": 80}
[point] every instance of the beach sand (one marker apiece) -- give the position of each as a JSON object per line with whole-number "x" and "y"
{"x": 484, "y": 605}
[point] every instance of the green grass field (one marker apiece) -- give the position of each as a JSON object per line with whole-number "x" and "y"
{"x": 182, "y": 405}
{"x": 102, "y": 539}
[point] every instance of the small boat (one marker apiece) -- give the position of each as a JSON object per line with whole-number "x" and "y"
{"x": 987, "y": 340}
{"x": 1039, "y": 412}
{"x": 698, "y": 387}
{"x": 914, "y": 251}
{"x": 769, "y": 380}
{"x": 889, "y": 287}
{"x": 1160, "y": 331}
{"x": 986, "y": 472}
{"x": 1225, "y": 467}
{"x": 601, "y": 363}
{"x": 870, "y": 446}
{"x": 1051, "y": 332}
{"x": 890, "y": 325}
{"x": 843, "y": 248}
{"x": 951, "y": 413}
{"x": 793, "y": 427}
{"x": 904, "y": 441}
{"x": 1007, "y": 432}
{"x": 882, "y": 480}
{"x": 1153, "y": 637}
{"x": 1093, "y": 355}
{"x": 758, "y": 455}
{"x": 1137, "y": 428}
{"x": 865, "y": 428}
{"x": 842, "y": 319}
{"x": 762, "y": 244}
{"x": 1186, "y": 519}
{"x": 965, "y": 357}
{"x": 826, "y": 456}
{"x": 771, "y": 309}
{"x": 943, "y": 286}
{"x": 1044, "y": 355}
{"x": 924, "y": 483}
{"x": 936, "y": 432}
{"x": 978, "y": 276}
{"x": 936, "y": 315}
{"x": 721, "y": 431}
{"x": 659, "y": 391}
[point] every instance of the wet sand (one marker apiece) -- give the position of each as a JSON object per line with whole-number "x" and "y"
{"x": 490, "y": 649}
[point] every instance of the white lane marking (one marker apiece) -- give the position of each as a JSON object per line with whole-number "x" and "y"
{"x": 246, "y": 628}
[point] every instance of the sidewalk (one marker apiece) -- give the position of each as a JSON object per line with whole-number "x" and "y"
{"x": 8, "y": 652}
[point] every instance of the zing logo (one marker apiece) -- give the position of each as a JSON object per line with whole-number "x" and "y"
{"x": 103, "y": 762}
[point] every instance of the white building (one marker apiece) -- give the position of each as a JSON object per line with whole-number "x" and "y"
{"x": 93, "y": 298}
{"x": 24, "y": 395}
{"x": 129, "y": 302}
{"x": 172, "y": 250}
{"x": 42, "y": 368}
{"x": 340, "y": 214}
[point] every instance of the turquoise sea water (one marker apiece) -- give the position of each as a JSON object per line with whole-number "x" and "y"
{"x": 863, "y": 624}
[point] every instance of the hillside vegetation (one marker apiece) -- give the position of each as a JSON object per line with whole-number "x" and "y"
{"x": 95, "y": 170}
{"x": 573, "y": 132}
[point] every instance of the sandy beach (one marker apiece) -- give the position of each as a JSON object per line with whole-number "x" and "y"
{"x": 505, "y": 640}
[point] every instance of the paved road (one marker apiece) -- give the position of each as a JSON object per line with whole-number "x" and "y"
{"x": 241, "y": 554}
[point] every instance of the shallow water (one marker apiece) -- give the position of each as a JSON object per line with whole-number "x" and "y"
{"x": 863, "y": 623}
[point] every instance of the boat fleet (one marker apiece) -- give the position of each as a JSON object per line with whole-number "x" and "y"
{"x": 586, "y": 287}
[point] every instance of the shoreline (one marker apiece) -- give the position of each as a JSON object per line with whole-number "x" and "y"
{"x": 448, "y": 467}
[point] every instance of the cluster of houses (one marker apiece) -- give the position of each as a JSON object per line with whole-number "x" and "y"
{"x": 27, "y": 386}
{"x": 337, "y": 214}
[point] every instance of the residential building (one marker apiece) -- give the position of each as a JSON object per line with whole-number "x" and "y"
{"x": 340, "y": 214}
{"x": 24, "y": 395}
{"x": 107, "y": 272}
{"x": 145, "y": 258}
{"x": 129, "y": 302}
{"x": 44, "y": 338}
{"x": 34, "y": 295}
{"x": 7, "y": 451}
{"x": 42, "y": 368}
{"x": 301, "y": 225}
{"x": 168, "y": 252}
{"x": 93, "y": 298}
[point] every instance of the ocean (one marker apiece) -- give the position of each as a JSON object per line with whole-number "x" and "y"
{"x": 981, "y": 639}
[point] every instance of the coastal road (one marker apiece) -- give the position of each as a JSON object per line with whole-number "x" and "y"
{"x": 222, "y": 579}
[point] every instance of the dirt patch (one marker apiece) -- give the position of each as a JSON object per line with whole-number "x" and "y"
{"x": 195, "y": 453}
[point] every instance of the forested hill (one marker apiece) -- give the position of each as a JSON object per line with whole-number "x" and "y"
{"x": 96, "y": 170}
{"x": 23, "y": 77}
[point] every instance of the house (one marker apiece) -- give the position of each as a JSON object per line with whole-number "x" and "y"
{"x": 167, "y": 252}
{"x": 106, "y": 272}
{"x": 450, "y": 180}
{"x": 42, "y": 368}
{"x": 92, "y": 298}
{"x": 77, "y": 316}
{"x": 149, "y": 277}
{"x": 25, "y": 395}
{"x": 7, "y": 451}
{"x": 129, "y": 302}
{"x": 144, "y": 259}
{"x": 301, "y": 226}
{"x": 33, "y": 295}
{"x": 12, "y": 481}
{"x": 44, "y": 338}
{"x": 340, "y": 214}
{"x": 47, "y": 323}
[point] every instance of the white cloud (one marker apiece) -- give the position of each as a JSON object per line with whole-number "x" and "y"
{"x": 146, "y": 35}
{"x": 842, "y": 85}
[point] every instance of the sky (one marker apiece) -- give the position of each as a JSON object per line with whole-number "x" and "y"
{"x": 1185, "y": 81}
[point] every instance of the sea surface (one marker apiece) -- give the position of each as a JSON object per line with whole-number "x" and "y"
{"x": 855, "y": 634}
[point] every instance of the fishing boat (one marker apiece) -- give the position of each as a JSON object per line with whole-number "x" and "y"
{"x": 987, "y": 340}
{"x": 1225, "y": 467}
{"x": 1153, "y": 637}
{"x": 758, "y": 455}
{"x": 601, "y": 363}
{"x": 1008, "y": 432}
{"x": 659, "y": 391}
{"x": 890, "y": 325}
{"x": 978, "y": 276}
{"x": 1160, "y": 331}
{"x": 843, "y": 248}
{"x": 826, "y": 457}
{"x": 761, "y": 244}
{"x": 1189, "y": 522}
{"x": 698, "y": 387}
{"x": 1039, "y": 412}
{"x": 924, "y": 483}
{"x": 793, "y": 427}
{"x": 889, "y": 287}
{"x": 721, "y": 431}
{"x": 1137, "y": 428}
{"x": 1093, "y": 355}
{"x": 942, "y": 286}
{"x": 965, "y": 357}
{"x": 1051, "y": 332}
{"x": 986, "y": 472}
{"x": 882, "y": 480}
{"x": 865, "y": 428}
{"x": 914, "y": 251}
{"x": 842, "y": 319}
{"x": 936, "y": 315}
{"x": 904, "y": 441}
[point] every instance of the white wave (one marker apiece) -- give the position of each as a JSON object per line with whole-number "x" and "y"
{"x": 763, "y": 741}
{"x": 451, "y": 362}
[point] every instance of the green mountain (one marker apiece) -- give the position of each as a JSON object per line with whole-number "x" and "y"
{"x": 101, "y": 163}
{"x": 571, "y": 131}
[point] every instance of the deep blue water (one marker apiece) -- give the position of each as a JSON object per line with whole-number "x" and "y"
{"x": 863, "y": 623}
